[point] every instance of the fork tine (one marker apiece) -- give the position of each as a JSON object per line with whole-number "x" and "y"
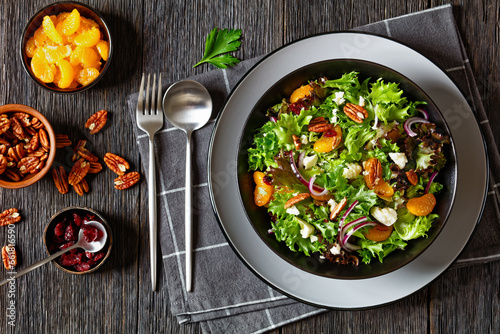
{"x": 158, "y": 101}
{"x": 147, "y": 111}
{"x": 140, "y": 102}
{"x": 152, "y": 111}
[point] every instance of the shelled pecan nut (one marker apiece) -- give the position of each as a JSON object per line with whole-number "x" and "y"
{"x": 337, "y": 208}
{"x": 36, "y": 123}
{"x": 13, "y": 174}
{"x": 126, "y": 181}
{"x": 319, "y": 124}
{"x": 17, "y": 129}
{"x": 412, "y": 177}
{"x": 356, "y": 113}
{"x": 16, "y": 153}
{"x": 81, "y": 187}
{"x": 60, "y": 179}
{"x": 87, "y": 155}
{"x": 4, "y": 123}
{"x": 373, "y": 172}
{"x": 95, "y": 167}
{"x": 296, "y": 199}
{"x": 9, "y": 216}
{"x": 78, "y": 172}
{"x": 9, "y": 257}
{"x": 3, "y": 163}
{"x": 28, "y": 165}
{"x": 33, "y": 143}
{"x": 296, "y": 142}
{"x": 44, "y": 139}
{"x": 23, "y": 118}
{"x": 97, "y": 121}
{"x": 116, "y": 163}
{"x": 62, "y": 141}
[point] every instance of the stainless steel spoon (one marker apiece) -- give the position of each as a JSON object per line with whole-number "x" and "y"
{"x": 188, "y": 106}
{"x": 92, "y": 247}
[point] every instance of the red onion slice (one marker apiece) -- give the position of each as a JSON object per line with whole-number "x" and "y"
{"x": 341, "y": 223}
{"x": 312, "y": 190}
{"x": 431, "y": 179}
{"x": 424, "y": 113}
{"x": 410, "y": 121}
{"x": 344, "y": 242}
{"x": 299, "y": 176}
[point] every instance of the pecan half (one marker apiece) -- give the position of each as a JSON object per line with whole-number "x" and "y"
{"x": 60, "y": 179}
{"x": 126, "y": 181}
{"x": 16, "y": 153}
{"x": 296, "y": 199}
{"x": 81, "y": 187}
{"x": 95, "y": 167}
{"x": 17, "y": 129}
{"x": 36, "y": 123}
{"x": 9, "y": 216}
{"x": 296, "y": 142}
{"x": 412, "y": 177}
{"x": 97, "y": 121}
{"x": 62, "y": 141}
{"x": 3, "y": 149}
{"x": 356, "y": 113}
{"x": 78, "y": 172}
{"x": 373, "y": 172}
{"x": 13, "y": 175}
{"x": 337, "y": 208}
{"x": 4, "y": 123}
{"x": 116, "y": 163}
{"x": 9, "y": 257}
{"x": 28, "y": 165}
{"x": 34, "y": 142}
{"x": 44, "y": 139}
{"x": 23, "y": 118}
{"x": 3, "y": 164}
{"x": 319, "y": 124}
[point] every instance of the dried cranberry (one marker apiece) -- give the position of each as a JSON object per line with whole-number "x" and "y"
{"x": 58, "y": 240}
{"x": 268, "y": 180}
{"x": 71, "y": 233}
{"x": 296, "y": 107}
{"x": 88, "y": 218}
{"x": 90, "y": 233}
{"x": 82, "y": 266}
{"x": 70, "y": 259}
{"x": 330, "y": 133}
{"x": 77, "y": 219}
{"x": 60, "y": 228}
{"x": 97, "y": 256}
{"x": 89, "y": 255}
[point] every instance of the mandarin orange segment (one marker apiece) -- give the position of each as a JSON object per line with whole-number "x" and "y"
{"x": 30, "y": 47}
{"x": 71, "y": 23}
{"x": 55, "y": 53}
{"x": 263, "y": 191}
{"x": 90, "y": 58}
{"x": 421, "y": 206}
{"x": 378, "y": 232}
{"x": 41, "y": 68}
{"x": 300, "y": 93}
{"x": 87, "y": 75}
{"x": 50, "y": 30}
{"x": 40, "y": 37}
{"x": 66, "y": 73}
{"x": 383, "y": 189}
{"x": 329, "y": 141}
{"x": 103, "y": 49}
{"x": 88, "y": 38}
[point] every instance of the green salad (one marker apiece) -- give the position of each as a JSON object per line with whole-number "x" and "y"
{"x": 346, "y": 169}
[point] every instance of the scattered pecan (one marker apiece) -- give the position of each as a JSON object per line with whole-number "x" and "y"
{"x": 296, "y": 199}
{"x": 13, "y": 174}
{"x": 87, "y": 155}
{"x": 95, "y": 167}
{"x": 62, "y": 141}
{"x": 3, "y": 164}
{"x": 339, "y": 207}
{"x": 60, "y": 179}
{"x": 373, "y": 172}
{"x": 116, "y": 163}
{"x": 4, "y": 123}
{"x": 9, "y": 257}
{"x": 126, "y": 181}
{"x": 319, "y": 124}
{"x": 412, "y": 177}
{"x": 9, "y": 216}
{"x": 78, "y": 172}
{"x": 355, "y": 112}
{"x": 81, "y": 187}
{"x": 28, "y": 165}
{"x": 296, "y": 142}
{"x": 76, "y": 155}
{"x": 97, "y": 121}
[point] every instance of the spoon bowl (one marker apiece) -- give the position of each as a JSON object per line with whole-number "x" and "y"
{"x": 187, "y": 106}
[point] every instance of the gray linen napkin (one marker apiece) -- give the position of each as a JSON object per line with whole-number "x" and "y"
{"x": 227, "y": 297}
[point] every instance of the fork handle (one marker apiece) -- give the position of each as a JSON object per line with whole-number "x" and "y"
{"x": 152, "y": 213}
{"x": 188, "y": 218}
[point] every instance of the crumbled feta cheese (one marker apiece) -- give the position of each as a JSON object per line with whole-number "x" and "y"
{"x": 306, "y": 229}
{"x": 334, "y": 119}
{"x": 361, "y": 101}
{"x": 304, "y": 140}
{"x": 331, "y": 202}
{"x": 310, "y": 161}
{"x": 339, "y": 98}
{"x": 352, "y": 171}
{"x": 313, "y": 238}
{"x": 335, "y": 250}
{"x": 386, "y": 216}
{"x": 399, "y": 159}
{"x": 293, "y": 210}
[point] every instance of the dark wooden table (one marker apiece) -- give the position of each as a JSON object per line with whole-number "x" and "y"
{"x": 169, "y": 36}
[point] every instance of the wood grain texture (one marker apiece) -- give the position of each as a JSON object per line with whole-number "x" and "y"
{"x": 169, "y": 36}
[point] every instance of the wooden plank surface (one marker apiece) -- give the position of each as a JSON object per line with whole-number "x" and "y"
{"x": 169, "y": 36}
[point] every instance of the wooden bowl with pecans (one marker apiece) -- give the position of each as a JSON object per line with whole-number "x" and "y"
{"x": 27, "y": 146}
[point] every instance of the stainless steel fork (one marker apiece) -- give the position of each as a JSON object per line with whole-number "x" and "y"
{"x": 150, "y": 119}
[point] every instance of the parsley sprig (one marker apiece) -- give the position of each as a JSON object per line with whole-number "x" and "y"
{"x": 218, "y": 44}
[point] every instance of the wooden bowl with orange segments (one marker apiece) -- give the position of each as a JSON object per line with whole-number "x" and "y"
{"x": 66, "y": 47}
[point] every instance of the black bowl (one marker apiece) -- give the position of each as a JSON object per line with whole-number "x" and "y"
{"x": 259, "y": 217}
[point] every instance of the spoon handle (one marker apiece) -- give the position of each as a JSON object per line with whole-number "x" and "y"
{"x": 38, "y": 264}
{"x": 152, "y": 212}
{"x": 188, "y": 217}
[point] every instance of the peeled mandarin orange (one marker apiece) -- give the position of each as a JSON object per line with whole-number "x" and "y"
{"x": 30, "y": 47}
{"x": 378, "y": 232}
{"x": 50, "y": 30}
{"x": 87, "y": 75}
{"x": 66, "y": 72}
{"x": 41, "y": 68}
{"x": 263, "y": 191}
{"x": 90, "y": 58}
{"x": 40, "y": 37}
{"x": 421, "y": 206}
{"x": 103, "y": 49}
{"x": 88, "y": 38}
{"x": 71, "y": 23}
{"x": 62, "y": 16}
{"x": 300, "y": 93}
{"x": 86, "y": 24}
{"x": 329, "y": 141}
{"x": 55, "y": 53}
{"x": 384, "y": 190}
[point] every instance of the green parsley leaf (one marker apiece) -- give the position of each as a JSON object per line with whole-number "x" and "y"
{"x": 218, "y": 44}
